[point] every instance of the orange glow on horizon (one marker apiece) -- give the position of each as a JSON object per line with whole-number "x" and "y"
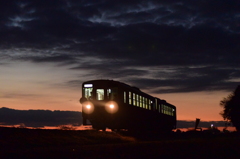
{"x": 27, "y": 86}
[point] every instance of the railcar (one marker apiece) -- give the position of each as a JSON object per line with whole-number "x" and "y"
{"x": 117, "y": 106}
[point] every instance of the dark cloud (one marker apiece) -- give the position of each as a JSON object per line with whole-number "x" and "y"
{"x": 57, "y": 58}
{"x": 206, "y": 78}
{"x": 130, "y": 40}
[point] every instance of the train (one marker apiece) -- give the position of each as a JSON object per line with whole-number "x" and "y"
{"x": 119, "y": 106}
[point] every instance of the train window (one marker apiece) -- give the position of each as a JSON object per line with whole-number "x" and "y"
{"x": 137, "y": 98}
{"x": 109, "y": 93}
{"x": 124, "y": 97}
{"x": 140, "y": 101}
{"x": 88, "y": 92}
{"x": 149, "y": 104}
{"x": 134, "y": 99}
{"x": 146, "y": 103}
{"x": 130, "y": 97}
{"x": 156, "y": 105}
{"x": 167, "y": 110}
{"x": 143, "y": 103}
{"x": 100, "y": 94}
{"x": 112, "y": 93}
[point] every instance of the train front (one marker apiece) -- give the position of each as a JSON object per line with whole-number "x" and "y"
{"x": 99, "y": 104}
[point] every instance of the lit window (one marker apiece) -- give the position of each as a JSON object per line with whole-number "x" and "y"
{"x": 146, "y": 103}
{"x": 167, "y": 110}
{"x": 130, "y": 97}
{"x": 100, "y": 94}
{"x": 109, "y": 93}
{"x": 137, "y": 99}
{"x": 124, "y": 97}
{"x": 143, "y": 101}
{"x": 134, "y": 100}
{"x": 88, "y": 92}
{"x": 140, "y": 101}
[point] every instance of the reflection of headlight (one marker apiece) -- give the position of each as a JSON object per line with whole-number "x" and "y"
{"x": 88, "y": 107}
{"x": 111, "y": 107}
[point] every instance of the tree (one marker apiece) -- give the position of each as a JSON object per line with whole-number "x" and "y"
{"x": 231, "y": 108}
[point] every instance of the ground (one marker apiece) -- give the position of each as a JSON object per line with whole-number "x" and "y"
{"x": 37, "y": 143}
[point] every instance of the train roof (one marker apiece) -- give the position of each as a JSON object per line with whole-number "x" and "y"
{"x": 121, "y": 83}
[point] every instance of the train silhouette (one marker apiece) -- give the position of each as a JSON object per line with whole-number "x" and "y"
{"x": 118, "y": 106}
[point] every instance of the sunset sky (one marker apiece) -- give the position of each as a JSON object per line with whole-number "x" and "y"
{"x": 186, "y": 52}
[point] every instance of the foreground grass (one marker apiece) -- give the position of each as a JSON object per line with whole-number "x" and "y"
{"x": 27, "y": 143}
{"x": 16, "y": 137}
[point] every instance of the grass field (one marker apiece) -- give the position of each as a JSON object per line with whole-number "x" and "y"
{"x": 38, "y": 143}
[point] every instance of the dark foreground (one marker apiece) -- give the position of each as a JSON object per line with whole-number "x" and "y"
{"x": 37, "y": 143}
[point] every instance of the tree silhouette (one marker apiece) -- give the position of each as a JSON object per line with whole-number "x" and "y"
{"x": 231, "y": 108}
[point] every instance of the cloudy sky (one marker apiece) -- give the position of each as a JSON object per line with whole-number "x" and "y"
{"x": 183, "y": 51}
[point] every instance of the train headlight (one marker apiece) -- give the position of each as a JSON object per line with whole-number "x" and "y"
{"x": 111, "y": 107}
{"x": 87, "y": 107}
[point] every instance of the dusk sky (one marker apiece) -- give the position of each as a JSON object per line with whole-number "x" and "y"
{"x": 186, "y": 52}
